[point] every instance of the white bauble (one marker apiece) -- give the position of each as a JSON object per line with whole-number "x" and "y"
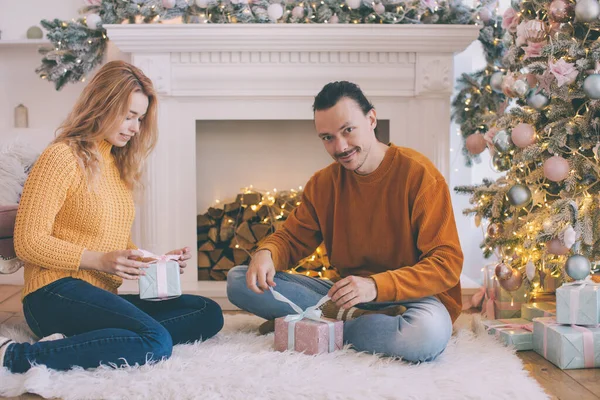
{"x": 275, "y": 11}
{"x": 92, "y": 21}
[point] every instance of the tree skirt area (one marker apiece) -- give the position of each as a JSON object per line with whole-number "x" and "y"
{"x": 240, "y": 364}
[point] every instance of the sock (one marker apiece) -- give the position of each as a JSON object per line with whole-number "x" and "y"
{"x": 54, "y": 336}
{"x": 4, "y": 343}
{"x": 333, "y": 311}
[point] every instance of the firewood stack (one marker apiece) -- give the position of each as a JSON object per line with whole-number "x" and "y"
{"x": 228, "y": 235}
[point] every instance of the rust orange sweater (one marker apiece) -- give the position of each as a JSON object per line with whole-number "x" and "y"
{"x": 395, "y": 225}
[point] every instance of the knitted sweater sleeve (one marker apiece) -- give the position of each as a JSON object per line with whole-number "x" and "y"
{"x": 44, "y": 193}
{"x": 440, "y": 264}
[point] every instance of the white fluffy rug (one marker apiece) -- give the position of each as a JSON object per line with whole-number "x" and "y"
{"x": 238, "y": 364}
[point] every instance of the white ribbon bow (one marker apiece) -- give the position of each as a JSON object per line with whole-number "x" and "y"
{"x": 312, "y": 313}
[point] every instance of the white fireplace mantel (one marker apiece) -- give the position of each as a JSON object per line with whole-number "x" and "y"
{"x": 273, "y": 72}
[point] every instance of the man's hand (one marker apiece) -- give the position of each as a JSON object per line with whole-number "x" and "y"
{"x": 261, "y": 269}
{"x": 352, "y": 290}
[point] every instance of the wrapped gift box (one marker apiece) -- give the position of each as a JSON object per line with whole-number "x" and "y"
{"x": 566, "y": 346}
{"x": 161, "y": 282}
{"x": 533, "y": 310}
{"x": 514, "y": 332}
{"x": 309, "y": 336}
{"x": 578, "y": 304}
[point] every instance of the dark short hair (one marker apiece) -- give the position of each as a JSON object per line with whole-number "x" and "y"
{"x": 334, "y": 91}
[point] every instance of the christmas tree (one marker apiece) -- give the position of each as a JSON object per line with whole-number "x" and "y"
{"x": 544, "y": 213}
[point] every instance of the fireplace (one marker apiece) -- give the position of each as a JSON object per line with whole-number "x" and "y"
{"x": 229, "y": 79}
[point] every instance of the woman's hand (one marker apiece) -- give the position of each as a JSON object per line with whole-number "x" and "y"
{"x": 123, "y": 263}
{"x": 185, "y": 255}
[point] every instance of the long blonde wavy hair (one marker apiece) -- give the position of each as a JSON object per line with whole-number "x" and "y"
{"x": 100, "y": 109}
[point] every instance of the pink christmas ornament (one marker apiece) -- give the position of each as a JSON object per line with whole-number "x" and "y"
{"x": 514, "y": 282}
{"x": 334, "y": 19}
{"x": 298, "y": 12}
{"x": 561, "y": 11}
{"x": 503, "y": 271}
{"x": 168, "y": 3}
{"x": 556, "y": 247}
{"x": 556, "y": 168}
{"x": 476, "y": 143}
{"x": 379, "y": 8}
{"x": 523, "y": 135}
{"x": 535, "y": 30}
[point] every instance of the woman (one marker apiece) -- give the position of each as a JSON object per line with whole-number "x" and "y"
{"x": 73, "y": 232}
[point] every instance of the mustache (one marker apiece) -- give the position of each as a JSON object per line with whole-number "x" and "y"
{"x": 346, "y": 153}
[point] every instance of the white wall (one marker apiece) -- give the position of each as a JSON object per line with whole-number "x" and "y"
{"x": 471, "y": 59}
{"x": 47, "y": 107}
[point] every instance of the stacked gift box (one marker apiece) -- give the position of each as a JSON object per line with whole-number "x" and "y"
{"x": 498, "y": 302}
{"x": 514, "y": 332}
{"x": 571, "y": 339}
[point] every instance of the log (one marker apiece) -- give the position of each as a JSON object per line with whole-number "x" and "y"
{"x": 231, "y": 208}
{"x": 263, "y": 212}
{"x": 202, "y": 221}
{"x": 213, "y": 234}
{"x": 227, "y": 229}
{"x": 249, "y": 213}
{"x": 207, "y": 246}
{"x": 215, "y": 255}
{"x": 203, "y": 260}
{"x": 203, "y": 274}
{"x": 260, "y": 230}
{"x": 240, "y": 257}
{"x": 224, "y": 264}
{"x": 241, "y": 243}
{"x": 249, "y": 199}
{"x": 245, "y": 233}
{"x": 216, "y": 213}
{"x": 202, "y": 237}
{"x": 218, "y": 275}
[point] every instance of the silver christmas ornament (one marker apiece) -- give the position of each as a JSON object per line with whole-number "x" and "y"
{"x": 587, "y": 10}
{"x": 496, "y": 81}
{"x": 502, "y": 141}
{"x": 501, "y": 162}
{"x": 578, "y": 267}
{"x": 591, "y": 86}
{"x": 537, "y": 100}
{"x": 521, "y": 87}
{"x": 519, "y": 195}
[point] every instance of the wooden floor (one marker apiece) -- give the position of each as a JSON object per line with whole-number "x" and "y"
{"x": 581, "y": 384}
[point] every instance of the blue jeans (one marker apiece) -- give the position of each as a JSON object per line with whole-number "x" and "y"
{"x": 420, "y": 334}
{"x": 104, "y": 328}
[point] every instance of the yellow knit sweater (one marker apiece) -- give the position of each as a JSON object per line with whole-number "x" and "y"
{"x": 60, "y": 216}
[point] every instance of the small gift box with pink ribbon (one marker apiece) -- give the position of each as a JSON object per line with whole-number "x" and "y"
{"x": 538, "y": 309}
{"x": 307, "y": 331}
{"x": 566, "y": 346}
{"x": 499, "y": 302}
{"x": 162, "y": 279}
{"x": 578, "y": 303}
{"x": 514, "y": 332}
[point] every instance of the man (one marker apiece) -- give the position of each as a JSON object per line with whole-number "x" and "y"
{"x": 385, "y": 216}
